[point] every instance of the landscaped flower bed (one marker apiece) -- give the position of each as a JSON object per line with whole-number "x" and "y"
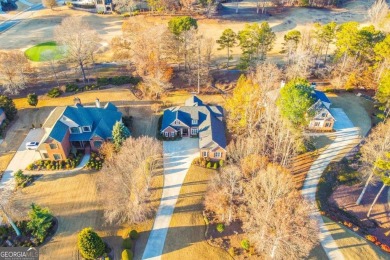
{"x": 205, "y": 163}
{"x": 95, "y": 161}
{"x": 49, "y": 165}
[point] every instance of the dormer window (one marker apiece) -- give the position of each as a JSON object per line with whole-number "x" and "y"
{"x": 194, "y": 121}
{"x": 75, "y": 130}
{"x": 86, "y": 129}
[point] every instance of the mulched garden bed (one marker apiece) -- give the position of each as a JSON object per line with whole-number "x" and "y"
{"x": 8, "y": 236}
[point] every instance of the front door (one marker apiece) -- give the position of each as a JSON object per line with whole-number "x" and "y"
{"x": 185, "y": 132}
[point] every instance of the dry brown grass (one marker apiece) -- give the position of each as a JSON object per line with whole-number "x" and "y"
{"x": 351, "y": 245}
{"x": 185, "y": 238}
{"x": 75, "y": 202}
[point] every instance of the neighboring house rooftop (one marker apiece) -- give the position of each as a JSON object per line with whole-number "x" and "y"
{"x": 99, "y": 120}
{"x": 319, "y": 95}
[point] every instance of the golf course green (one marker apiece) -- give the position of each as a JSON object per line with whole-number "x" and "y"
{"x": 44, "y": 52}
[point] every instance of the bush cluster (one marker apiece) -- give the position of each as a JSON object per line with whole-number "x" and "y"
{"x": 95, "y": 161}
{"x": 371, "y": 238}
{"x": 127, "y": 254}
{"x": 54, "y": 92}
{"x": 245, "y": 244}
{"x": 133, "y": 234}
{"x": 205, "y": 163}
{"x": 127, "y": 245}
{"x": 67, "y": 164}
{"x": 3, "y": 126}
{"x": 119, "y": 80}
{"x": 22, "y": 180}
{"x": 220, "y": 227}
{"x": 72, "y": 87}
{"x": 90, "y": 244}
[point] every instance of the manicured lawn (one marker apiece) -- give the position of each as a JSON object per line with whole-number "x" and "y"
{"x": 187, "y": 221}
{"x": 37, "y": 52}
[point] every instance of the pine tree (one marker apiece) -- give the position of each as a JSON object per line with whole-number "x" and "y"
{"x": 227, "y": 40}
{"x": 119, "y": 134}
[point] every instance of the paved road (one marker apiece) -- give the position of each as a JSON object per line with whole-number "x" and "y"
{"x": 21, "y": 160}
{"x": 178, "y": 156}
{"x": 346, "y": 136}
{"x": 24, "y": 15}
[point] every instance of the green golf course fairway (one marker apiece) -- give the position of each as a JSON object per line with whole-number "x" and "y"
{"x": 35, "y": 53}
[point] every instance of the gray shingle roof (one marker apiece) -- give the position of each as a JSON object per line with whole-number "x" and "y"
{"x": 209, "y": 119}
{"x": 101, "y": 121}
{"x": 58, "y": 131}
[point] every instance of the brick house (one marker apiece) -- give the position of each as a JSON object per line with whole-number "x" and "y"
{"x": 195, "y": 119}
{"x": 77, "y": 127}
{"x": 2, "y": 116}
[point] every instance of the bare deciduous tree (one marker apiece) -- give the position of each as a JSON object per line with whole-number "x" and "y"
{"x": 284, "y": 229}
{"x": 223, "y": 193}
{"x": 126, "y": 180}
{"x": 268, "y": 76}
{"x": 79, "y": 41}
{"x": 50, "y": 57}
{"x": 14, "y": 71}
{"x": 378, "y": 11}
{"x": 374, "y": 148}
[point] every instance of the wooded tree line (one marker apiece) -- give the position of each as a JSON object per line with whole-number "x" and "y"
{"x": 255, "y": 178}
{"x": 153, "y": 49}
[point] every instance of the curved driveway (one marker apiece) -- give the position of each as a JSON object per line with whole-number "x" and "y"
{"x": 347, "y": 136}
{"x": 178, "y": 156}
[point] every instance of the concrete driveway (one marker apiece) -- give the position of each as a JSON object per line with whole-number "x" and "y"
{"x": 178, "y": 156}
{"x": 347, "y": 136}
{"x": 21, "y": 160}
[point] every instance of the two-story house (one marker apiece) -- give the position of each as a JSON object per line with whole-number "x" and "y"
{"x": 195, "y": 119}
{"x": 77, "y": 127}
{"x": 321, "y": 119}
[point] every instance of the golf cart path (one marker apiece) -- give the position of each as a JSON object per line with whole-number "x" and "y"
{"x": 178, "y": 156}
{"x": 346, "y": 137}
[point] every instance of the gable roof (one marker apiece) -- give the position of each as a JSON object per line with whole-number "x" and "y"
{"x": 317, "y": 108}
{"x": 58, "y": 131}
{"x": 100, "y": 120}
{"x": 319, "y": 95}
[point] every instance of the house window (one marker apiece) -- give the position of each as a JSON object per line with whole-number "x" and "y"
{"x": 317, "y": 124}
{"x": 177, "y": 122}
{"x": 53, "y": 146}
{"x": 57, "y": 156}
{"x": 86, "y": 129}
{"x": 194, "y": 121}
{"x": 217, "y": 154}
{"x": 323, "y": 114}
{"x": 327, "y": 125}
{"x": 194, "y": 131}
{"x": 205, "y": 154}
{"x": 173, "y": 134}
{"x": 74, "y": 130}
{"x": 97, "y": 144}
{"x": 45, "y": 156}
{"x": 166, "y": 134}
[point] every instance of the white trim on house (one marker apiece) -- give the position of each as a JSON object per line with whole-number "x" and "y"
{"x": 169, "y": 127}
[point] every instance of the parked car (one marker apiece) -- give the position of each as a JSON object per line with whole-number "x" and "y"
{"x": 32, "y": 145}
